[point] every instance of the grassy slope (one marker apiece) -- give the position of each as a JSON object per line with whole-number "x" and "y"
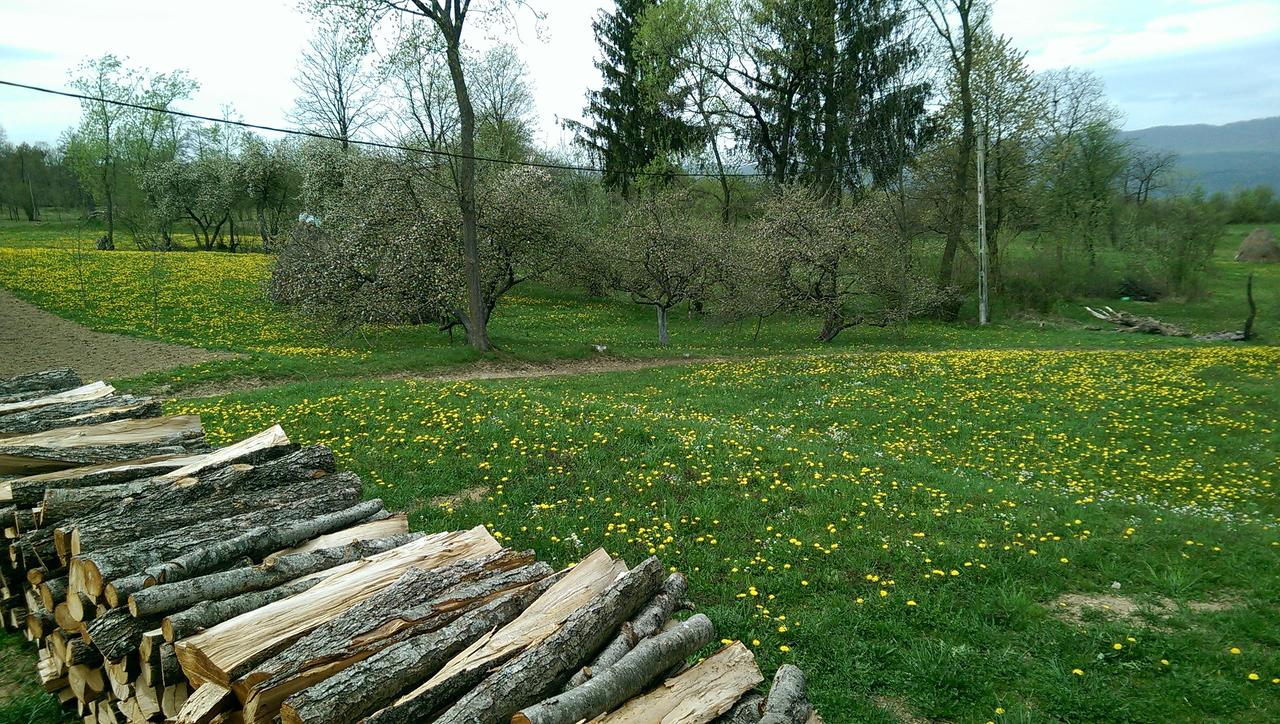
{"x": 978, "y": 485}
{"x": 789, "y": 484}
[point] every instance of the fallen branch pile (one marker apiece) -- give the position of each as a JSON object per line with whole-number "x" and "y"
{"x": 162, "y": 580}
{"x": 1129, "y": 322}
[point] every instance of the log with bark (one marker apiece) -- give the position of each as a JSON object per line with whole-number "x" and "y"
{"x": 78, "y": 413}
{"x": 378, "y": 680}
{"x": 211, "y": 612}
{"x": 1128, "y": 322}
{"x": 232, "y": 648}
{"x": 623, "y": 679}
{"x": 61, "y": 501}
{"x": 177, "y": 595}
{"x": 698, "y": 695}
{"x": 421, "y": 601}
{"x": 117, "y": 633}
{"x": 543, "y": 668}
{"x": 45, "y": 381}
{"x": 30, "y": 490}
{"x": 91, "y": 572}
{"x": 186, "y": 501}
{"x": 646, "y": 623}
{"x": 83, "y": 393}
{"x": 748, "y": 710}
{"x": 788, "y": 701}
{"x": 544, "y": 616}
{"x": 107, "y": 442}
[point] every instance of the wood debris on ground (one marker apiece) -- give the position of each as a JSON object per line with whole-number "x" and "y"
{"x": 162, "y": 580}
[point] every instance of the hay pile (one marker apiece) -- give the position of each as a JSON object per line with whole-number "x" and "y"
{"x": 1260, "y": 246}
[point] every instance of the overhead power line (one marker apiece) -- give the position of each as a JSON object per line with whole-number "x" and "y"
{"x": 371, "y": 144}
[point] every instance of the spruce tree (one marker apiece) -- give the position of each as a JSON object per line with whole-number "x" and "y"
{"x": 629, "y": 126}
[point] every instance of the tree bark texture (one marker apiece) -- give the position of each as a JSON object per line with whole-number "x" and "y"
{"x": 646, "y": 623}
{"x": 630, "y": 675}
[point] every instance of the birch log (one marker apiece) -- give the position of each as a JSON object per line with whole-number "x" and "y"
{"x": 788, "y": 701}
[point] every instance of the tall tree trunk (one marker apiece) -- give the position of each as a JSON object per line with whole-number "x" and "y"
{"x": 662, "y": 325}
{"x": 960, "y": 198}
{"x": 478, "y": 330}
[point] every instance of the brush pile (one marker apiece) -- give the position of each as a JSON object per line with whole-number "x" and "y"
{"x": 163, "y": 580}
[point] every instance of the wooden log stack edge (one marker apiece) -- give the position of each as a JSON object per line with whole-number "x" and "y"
{"x": 160, "y": 579}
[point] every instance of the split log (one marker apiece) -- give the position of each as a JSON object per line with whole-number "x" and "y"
{"x": 394, "y": 614}
{"x": 376, "y": 682}
{"x": 87, "y": 682}
{"x": 39, "y": 622}
{"x": 172, "y": 504}
{"x": 630, "y": 675}
{"x": 266, "y": 445}
{"x": 83, "y": 393}
{"x": 579, "y": 586}
{"x": 211, "y": 613}
{"x": 76, "y": 414}
{"x": 232, "y": 648}
{"x": 167, "y": 598}
{"x": 90, "y": 573}
{"x": 788, "y": 701}
{"x": 646, "y": 623}
{"x": 172, "y": 699}
{"x": 91, "y": 444}
{"x": 539, "y": 670}
{"x": 62, "y": 378}
{"x": 263, "y": 447}
{"x": 30, "y": 490}
{"x": 696, "y": 696}
{"x": 379, "y": 525}
{"x": 206, "y": 702}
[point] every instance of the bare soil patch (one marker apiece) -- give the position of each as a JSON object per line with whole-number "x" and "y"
{"x": 32, "y": 339}
{"x": 520, "y": 370}
{"x": 1073, "y": 608}
{"x": 900, "y": 710}
{"x": 478, "y": 371}
{"x": 466, "y": 495}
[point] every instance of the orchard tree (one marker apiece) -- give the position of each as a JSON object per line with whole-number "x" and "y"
{"x": 841, "y": 263}
{"x": 115, "y": 146}
{"x": 449, "y": 18}
{"x": 661, "y": 255}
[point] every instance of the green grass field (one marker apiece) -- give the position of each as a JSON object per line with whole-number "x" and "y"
{"x": 1028, "y": 522}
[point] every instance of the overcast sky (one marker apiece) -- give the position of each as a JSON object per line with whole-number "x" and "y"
{"x": 1164, "y": 61}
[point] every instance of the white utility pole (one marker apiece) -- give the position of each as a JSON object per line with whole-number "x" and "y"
{"x": 983, "y": 313}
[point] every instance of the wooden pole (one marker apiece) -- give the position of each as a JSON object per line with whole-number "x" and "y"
{"x": 984, "y": 315}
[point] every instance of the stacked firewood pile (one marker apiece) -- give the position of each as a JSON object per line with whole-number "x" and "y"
{"x": 162, "y": 580}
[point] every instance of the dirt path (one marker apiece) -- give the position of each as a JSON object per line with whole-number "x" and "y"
{"x": 33, "y": 339}
{"x": 479, "y": 371}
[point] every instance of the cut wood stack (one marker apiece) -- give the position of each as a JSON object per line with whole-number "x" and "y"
{"x": 161, "y": 580}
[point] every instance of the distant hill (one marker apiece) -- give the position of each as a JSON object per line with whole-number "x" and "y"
{"x": 1220, "y": 158}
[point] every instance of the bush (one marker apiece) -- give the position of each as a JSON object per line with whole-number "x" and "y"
{"x": 1169, "y": 244}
